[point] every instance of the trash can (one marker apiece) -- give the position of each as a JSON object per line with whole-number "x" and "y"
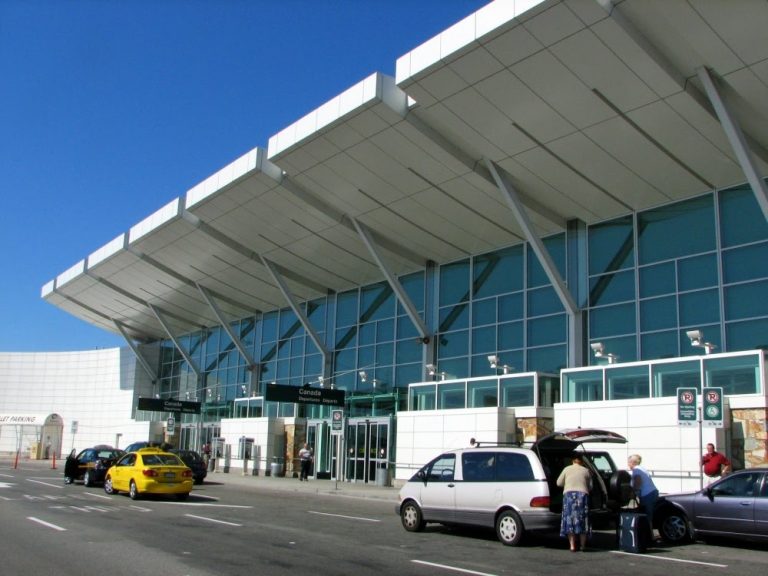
{"x": 276, "y": 468}
{"x": 382, "y": 476}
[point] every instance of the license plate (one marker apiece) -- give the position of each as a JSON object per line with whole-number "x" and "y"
{"x": 170, "y": 475}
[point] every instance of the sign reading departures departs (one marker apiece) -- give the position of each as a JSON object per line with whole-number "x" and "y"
{"x": 168, "y": 405}
{"x": 304, "y": 395}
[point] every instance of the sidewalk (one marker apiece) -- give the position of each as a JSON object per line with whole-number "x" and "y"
{"x": 287, "y": 484}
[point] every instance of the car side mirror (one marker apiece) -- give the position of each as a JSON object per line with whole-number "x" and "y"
{"x": 421, "y": 475}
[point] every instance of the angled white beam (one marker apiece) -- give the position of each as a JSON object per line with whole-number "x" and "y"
{"x": 394, "y": 283}
{"x": 224, "y": 324}
{"x": 132, "y": 345}
{"x": 277, "y": 277}
{"x": 509, "y": 193}
{"x": 192, "y": 364}
{"x": 737, "y": 140}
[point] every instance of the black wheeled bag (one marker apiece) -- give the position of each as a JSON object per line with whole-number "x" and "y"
{"x": 634, "y": 531}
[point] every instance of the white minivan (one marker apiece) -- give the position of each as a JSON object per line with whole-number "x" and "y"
{"x": 512, "y": 488}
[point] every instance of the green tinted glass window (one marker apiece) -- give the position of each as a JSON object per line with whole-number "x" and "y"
{"x": 511, "y": 307}
{"x": 454, "y": 317}
{"x": 667, "y": 378}
{"x": 627, "y": 383}
{"x": 484, "y": 339}
{"x": 747, "y": 335}
{"x": 482, "y": 393}
{"x": 583, "y": 386}
{"x": 746, "y": 300}
{"x": 498, "y": 272}
{"x": 697, "y": 308}
{"x": 611, "y": 320}
{"x": 547, "y": 359}
{"x": 510, "y": 335}
{"x": 611, "y": 246}
{"x": 657, "y": 280}
{"x": 658, "y": 313}
{"x": 543, "y": 301}
{"x": 741, "y": 219}
{"x": 547, "y": 330}
{"x": 484, "y": 312}
{"x": 517, "y": 391}
{"x": 346, "y": 308}
{"x": 555, "y": 245}
{"x": 454, "y": 283}
{"x": 612, "y": 288}
{"x": 747, "y": 263}
{"x": 657, "y": 226}
{"x": 453, "y": 344}
{"x": 697, "y": 272}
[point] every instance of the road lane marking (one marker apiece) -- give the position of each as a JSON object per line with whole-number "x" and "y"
{"x": 47, "y": 524}
{"x": 7, "y": 475}
{"x": 59, "y": 486}
{"x": 6, "y": 484}
{"x": 455, "y": 569}
{"x": 672, "y": 559}
{"x": 343, "y": 516}
{"x": 103, "y": 496}
{"x": 212, "y": 520}
{"x": 139, "y": 508}
{"x": 205, "y": 504}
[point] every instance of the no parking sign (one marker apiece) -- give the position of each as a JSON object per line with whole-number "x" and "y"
{"x": 712, "y": 407}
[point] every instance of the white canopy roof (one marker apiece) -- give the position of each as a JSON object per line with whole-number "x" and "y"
{"x": 591, "y": 110}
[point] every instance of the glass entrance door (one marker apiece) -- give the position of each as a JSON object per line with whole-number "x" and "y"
{"x": 367, "y": 448}
{"x": 319, "y": 440}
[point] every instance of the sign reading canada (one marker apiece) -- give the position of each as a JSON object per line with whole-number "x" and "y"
{"x": 304, "y": 395}
{"x": 168, "y": 405}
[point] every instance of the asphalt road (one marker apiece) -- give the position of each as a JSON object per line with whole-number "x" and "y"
{"x": 229, "y": 528}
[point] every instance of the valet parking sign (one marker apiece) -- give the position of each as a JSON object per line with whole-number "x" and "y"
{"x": 712, "y": 407}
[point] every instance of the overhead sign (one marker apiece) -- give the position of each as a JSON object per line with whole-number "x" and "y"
{"x": 168, "y": 405}
{"x": 712, "y": 407}
{"x": 171, "y": 426}
{"x": 337, "y": 421}
{"x": 686, "y": 406}
{"x": 304, "y": 395}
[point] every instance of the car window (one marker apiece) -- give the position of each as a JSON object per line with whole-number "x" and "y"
{"x": 764, "y": 491}
{"x": 513, "y": 467}
{"x": 87, "y": 456}
{"x": 602, "y": 463}
{"x": 127, "y": 460}
{"x": 739, "y": 485}
{"x": 442, "y": 469}
{"x": 478, "y": 466}
{"x": 161, "y": 460}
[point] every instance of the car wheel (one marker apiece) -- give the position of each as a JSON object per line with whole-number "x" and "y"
{"x": 88, "y": 478}
{"x": 182, "y": 496}
{"x": 509, "y": 528}
{"x": 674, "y": 528}
{"x": 133, "y": 492}
{"x": 108, "y": 488}
{"x": 411, "y": 517}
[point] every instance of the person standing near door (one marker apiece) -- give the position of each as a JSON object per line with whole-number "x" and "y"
{"x": 305, "y": 458}
{"x": 714, "y": 464}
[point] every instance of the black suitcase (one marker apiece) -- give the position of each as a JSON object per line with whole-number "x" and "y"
{"x": 634, "y": 532}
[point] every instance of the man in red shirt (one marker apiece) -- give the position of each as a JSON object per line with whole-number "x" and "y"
{"x": 715, "y": 464}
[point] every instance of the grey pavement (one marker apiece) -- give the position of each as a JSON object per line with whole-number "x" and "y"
{"x": 236, "y": 477}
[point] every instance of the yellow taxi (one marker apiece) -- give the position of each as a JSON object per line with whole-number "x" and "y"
{"x": 149, "y": 471}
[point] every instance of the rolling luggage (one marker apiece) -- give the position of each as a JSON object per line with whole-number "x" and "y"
{"x": 634, "y": 532}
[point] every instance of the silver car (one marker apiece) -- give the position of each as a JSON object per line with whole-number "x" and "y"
{"x": 735, "y": 506}
{"x": 511, "y": 489}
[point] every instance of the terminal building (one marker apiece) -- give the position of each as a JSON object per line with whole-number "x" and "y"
{"x": 554, "y": 215}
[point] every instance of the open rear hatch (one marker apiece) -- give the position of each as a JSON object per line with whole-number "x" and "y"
{"x": 572, "y": 439}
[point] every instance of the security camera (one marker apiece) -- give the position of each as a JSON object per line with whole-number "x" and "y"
{"x": 493, "y": 360}
{"x": 696, "y": 336}
{"x": 597, "y": 348}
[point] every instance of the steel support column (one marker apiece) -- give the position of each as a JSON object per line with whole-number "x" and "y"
{"x": 737, "y": 140}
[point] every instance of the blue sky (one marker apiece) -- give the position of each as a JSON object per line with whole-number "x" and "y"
{"x": 109, "y": 109}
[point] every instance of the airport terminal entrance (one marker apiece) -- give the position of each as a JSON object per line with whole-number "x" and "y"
{"x": 367, "y": 448}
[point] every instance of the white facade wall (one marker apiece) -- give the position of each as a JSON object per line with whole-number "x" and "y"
{"x": 268, "y": 441}
{"x": 670, "y": 452}
{"x": 96, "y": 388}
{"x": 422, "y": 435}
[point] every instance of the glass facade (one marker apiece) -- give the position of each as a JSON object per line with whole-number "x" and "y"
{"x": 648, "y": 277}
